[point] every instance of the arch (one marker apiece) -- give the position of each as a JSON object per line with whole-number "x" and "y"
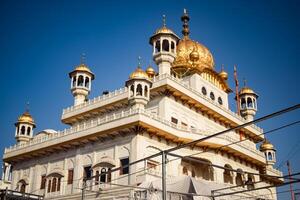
{"x": 203, "y": 168}
{"x": 55, "y": 174}
{"x": 53, "y": 187}
{"x": 87, "y": 82}
{"x": 243, "y": 103}
{"x": 254, "y": 103}
{"x": 220, "y": 101}
{"x": 157, "y": 46}
{"x": 28, "y": 131}
{"x": 239, "y": 177}
{"x": 103, "y": 175}
{"x": 212, "y": 96}
{"x": 49, "y": 186}
{"x": 105, "y": 161}
{"x": 146, "y": 91}
{"x": 22, "y": 130}
{"x": 22, "y": 185}
{"x": 270, "y": 157}
{"x": 80, "y": 81}
{"x": 250, "y": 182}
{"x": 87, "y": 160}
{"x": 139, "y": 90}
{"x": 74, "y": 81}
{"x": 227, "y": 174}
{"x": 172, "y": 46}
{"x": 131, "y": 90}
{"x": 165, "y": 45}
{"x": 204, "y": 92}
{"x": 249, "y": 103}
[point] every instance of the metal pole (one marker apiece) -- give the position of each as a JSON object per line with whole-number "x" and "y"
{"x": 164, "y": 185}
{"x": 83, "y": 188}
{"x": 291, "y": 185}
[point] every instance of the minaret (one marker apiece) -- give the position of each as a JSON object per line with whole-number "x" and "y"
{"x": 164, "y": 43}
{"x": 81, "y": 81}
{"x": 268, "y": 149}
{"x": 138, "y": 85}
{"x": 248, "y": 105}
{"x": 24, "y": 127}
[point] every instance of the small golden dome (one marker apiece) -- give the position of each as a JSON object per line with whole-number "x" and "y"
{"x": 194, "y": 55}
{"x": 164, "y": 29}
{"x": 150, "y": 71}
{"x": 247, "y": 90}
{"x": 138, "y": 74}
{"x": 266, "y": 145}
{"x": 82, "y": 68}
{"x": 223, "y": 75}
{"x": 26, "y": 118}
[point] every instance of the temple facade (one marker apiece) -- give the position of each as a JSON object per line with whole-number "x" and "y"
{"x": 184, "y": 100}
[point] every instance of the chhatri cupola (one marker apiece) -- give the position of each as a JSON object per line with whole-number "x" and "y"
{"x": 24, "y": 127}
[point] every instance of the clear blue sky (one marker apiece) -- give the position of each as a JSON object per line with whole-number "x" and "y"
{"x": 41, "y": 41}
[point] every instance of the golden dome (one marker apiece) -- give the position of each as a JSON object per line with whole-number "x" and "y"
{"x": 82, "y": 68}
{"x": 150, "y": 71}
{"x": 164, "y": 29}
{"x": 223, "y": 75}
{"x": 26, "y": 118}
{"x": 266, "y": 145}
{"x": 192, "y": 55}
{"x": 138, "y": 74}
{"x": 247, "y": 90}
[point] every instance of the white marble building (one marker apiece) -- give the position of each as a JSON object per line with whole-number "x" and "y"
{"x": 185, "y": 100}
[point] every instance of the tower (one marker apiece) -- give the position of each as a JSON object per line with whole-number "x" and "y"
{"x": 248, "y": 105}
{"x": 164, "y": 43}
{"x": 81, "y": 80}
{"x": 138, "y": 85}
{"x": 268, "y": 149}
{"x": 24, "y": 128}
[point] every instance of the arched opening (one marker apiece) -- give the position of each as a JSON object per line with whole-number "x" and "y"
{"x": 131, "y": 90}
{"x": 249, "y": 103}
{"x": 212, "y": 96}
{"x": 22, "y": 185}
{"x": 254, "y": 104}
{"x": 172, "y": 47}
{"x": 165, "y": 45}
{"x": 270, "y": 156}
{"x": 228, "y": 175}
{"x": 87, "y": 82}
{"x": 74, "y": 81}
{"x": 23, "y": 130}
{"x": 250, "y": 182}
{"x": 146, "y": 91}
{"x": 204, "y": 92}
{"x": 54, "y": 182}
{"x": 97, "y": 176}
{"x": 53, "y": 187}
{"x": 184, "y": 171}
{"x": 202, "y": 167}
{"x": 80, "y": 80}
{"x": 220, "y": 101}
{"x": 239, "y": 177}
{"x": 157, "y": 46}
{"x": 139, "y": 90}
{"x": 243, "y": 103}
{"x": 28, "y": 131}
{"x": 103, "y": 175}
{"x": 49, "y": 186}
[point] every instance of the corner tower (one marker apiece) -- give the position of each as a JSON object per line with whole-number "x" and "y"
{"x": 164, "y": 43}
{"x": 81, "y": 81}
{"x": 248, "y": 105}
{"x": 268, "y": 149}
{"x": 24, "y": 128}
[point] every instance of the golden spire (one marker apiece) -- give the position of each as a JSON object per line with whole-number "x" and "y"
{"x": 185, "y": 19}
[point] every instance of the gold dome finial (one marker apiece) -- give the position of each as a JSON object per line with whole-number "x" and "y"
{"x": 223, "y": 74}
{"x": 185, "y": 19}
{"x": 266, "y": 145}
{"x": 26, "y": 117}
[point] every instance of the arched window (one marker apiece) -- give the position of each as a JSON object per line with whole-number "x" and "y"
{"x": 58, "y": 184}
{"x": 228, "y": 175}
{"x": 220, "y": 101}
{"x": 22, "y": 186}
{"x": 146, "y": 91}
{"x": 157, "y": 46}
{"x": 80, "y": 80}
{"x": 74, "y": 81}
{"x": 53, "y": 188}
{"x": 239, "y": 177}
{"x": 165, "y": 45}
{"x": 87, "y": 82}
{"x": 243, "y": 103}
{"x": 103, "y": 175}
{"x": 204, "y": 92}
{"x": 249, "y": 103}
{"x": 207, "y": 172}
{"x": 28, "y": 130}
{"x": 270, "y": 156}
{"x": 131, "y": 90}
{"x": 250, "y": 182}
{"x": 49, "y": 186}
{"x": 184, "y": 171}
{"x": 212, "y": 96}
{"x": 23, "y": 130}
{"x": 139, "y": 90}
{"x": 172, "y": 47}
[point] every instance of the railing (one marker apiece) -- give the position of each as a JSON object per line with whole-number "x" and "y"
{"x": 96, "y": 100}
{"x": 275, "y": 171}
{"x": 111, "y": 117}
